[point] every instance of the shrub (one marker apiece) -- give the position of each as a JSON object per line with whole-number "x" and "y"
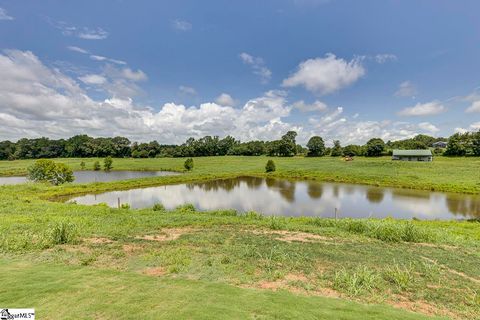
{"x": 49, "y": 171}
{"x": 356, "y": 282}
{"x": 96, "y": 166}
{"x": 124, "y": 206}
{"x": 188, "y": 165}
{"x": 158, "y": 207}
{"x": 107, "y": 163}
{"x": 270, "y": 166}
{"x": 400, "y": 276}
{"x": 82, "y": 165}
{"x": 63, "y": 233}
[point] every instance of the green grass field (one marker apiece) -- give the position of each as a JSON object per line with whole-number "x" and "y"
{"x": 71, "y": 261}
{"x": 443, "y": 174}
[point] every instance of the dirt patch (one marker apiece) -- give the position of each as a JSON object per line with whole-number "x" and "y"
{"x": 291, "y": 236}
{"x": 421, "y": 306}
{"x": 131, "y": 248}
{"x": 98, "y": 240}
{"x": 453, "y": 271}
{"x": 155, "y": 272}
{"x": 166, "y": 235}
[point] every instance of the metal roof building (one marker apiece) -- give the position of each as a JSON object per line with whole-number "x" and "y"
{"x": 412, "y": 155}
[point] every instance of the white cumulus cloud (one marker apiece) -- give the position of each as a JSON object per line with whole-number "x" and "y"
{"x": 181, "y": 25}
{"x": 474, "y": 107}
{"x": 326, "y": 75}
{"x": 423, "y": 109}
{"x": 225, "y": 100}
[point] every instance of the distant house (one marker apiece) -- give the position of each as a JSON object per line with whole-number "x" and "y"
{"x": 440, "y": 144}
{"x": 412, "y": 155}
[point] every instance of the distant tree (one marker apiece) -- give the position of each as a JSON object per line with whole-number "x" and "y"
{"x": 188, "y": 164}
{"x": 48, "y": 171}
{"x": 337, "y": 150}
{"x": 270, "y": 166}
{"x": 352, "y": 150}
{"x": 456, "y": 145}
{"x": 374, "y": 147}
{"x": 476, "y": 143}
{"x": 316, "y": 147}
{"x": 96, "y": 166}
{"x": 107, "y": 163}
{"x": 82, "y": 165}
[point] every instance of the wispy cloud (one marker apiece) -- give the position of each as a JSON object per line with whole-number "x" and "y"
{"x": 4, "y": 15}
{"x": 187, "y": 90}
{"x": 181, "y": 25}
{"x": 94, "y": 56}
{"x": 258, "y": 66}
{"x": 406, "y": 89}
{"x": 385, "y": 57}
{"x": 85, "y": 33}
{"x": 92, "y": 34}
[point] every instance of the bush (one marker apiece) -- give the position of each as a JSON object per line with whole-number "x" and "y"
{"x": 357, "y": 282}
{"x": 96, "y": 166}
{"x": 63, "y": 233}
{"x": 158, "y": 207}
{"x": 400, "y": 276}
{"x": 124, "y": 206}
{"x": 107, "y": 163}
{"x": 82, "y": 165}
{"x": 188, "y": 165}
{"x": 49, "y": 171}
{"x": 270, "y": 167}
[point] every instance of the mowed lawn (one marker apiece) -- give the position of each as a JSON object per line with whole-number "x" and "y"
{"x": 443, "y": 174}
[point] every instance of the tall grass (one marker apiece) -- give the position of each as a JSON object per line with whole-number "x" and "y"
{"x": 356, "y": 282}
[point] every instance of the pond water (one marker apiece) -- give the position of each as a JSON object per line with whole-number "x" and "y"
{"x": 301, "y": 198}
{"x": 98, "y": 176}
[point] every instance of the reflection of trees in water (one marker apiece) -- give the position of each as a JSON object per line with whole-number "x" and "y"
{"x": 465, "y": 206}
{"x": 375, "y": 195}
{"x": 252, "y": 182}
{"x": 215, "y": 185}
{"x": 284, "y": 187}
{"x": 409, "y": 193}
{"x": 314, "y": 190}
{"x": 336, "y": 191}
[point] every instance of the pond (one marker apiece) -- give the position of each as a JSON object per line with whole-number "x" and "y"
{"x": 98, "y": 176}
{"x": 300, "y": 198}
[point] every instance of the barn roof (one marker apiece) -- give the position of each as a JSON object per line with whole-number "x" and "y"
{"x": 413, "y": 153}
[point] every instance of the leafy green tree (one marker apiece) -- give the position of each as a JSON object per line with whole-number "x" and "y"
{"x": 456, "y": 145}
{"x": 337, "y": 150}
{"x": 374, "y": 147}
{"x": 316, "y": 147}
{"x": 48, "y": 171}
{"x": 270, "y": 166}
{"x": 352, "y": 150}
{"x": 96, "y": 166}
{"x": 107, "y": 163}
{"x": 188, "y": 164}
{"x": 476, "y": 143}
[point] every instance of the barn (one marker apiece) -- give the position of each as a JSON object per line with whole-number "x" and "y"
{"x": 412, "y": 155}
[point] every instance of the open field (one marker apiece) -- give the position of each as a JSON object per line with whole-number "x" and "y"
{"x": 74, "y": 261}
{"x": 443, "y": 174}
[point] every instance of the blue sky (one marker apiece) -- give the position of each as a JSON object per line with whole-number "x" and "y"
{"x": 347, "y": 70}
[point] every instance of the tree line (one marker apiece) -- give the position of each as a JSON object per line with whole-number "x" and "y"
{"x": 83, "y": 146}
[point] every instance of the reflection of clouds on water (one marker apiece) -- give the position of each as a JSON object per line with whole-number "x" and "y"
{"x": 281, "y": 197}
